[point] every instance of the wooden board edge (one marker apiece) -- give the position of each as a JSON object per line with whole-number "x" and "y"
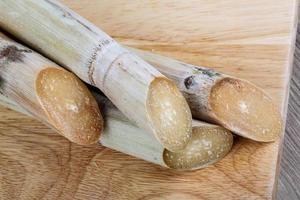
{"x": 290, "y": 64}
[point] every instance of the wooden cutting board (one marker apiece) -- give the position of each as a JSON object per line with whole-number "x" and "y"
{"x": 249, "y": 39}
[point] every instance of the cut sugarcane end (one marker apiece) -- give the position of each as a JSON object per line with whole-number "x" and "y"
{"x": 245, "y": 109}
{"x": 69, "y": 105}
{"x": 169, "y": 114}
{"x": 207, "y": 146}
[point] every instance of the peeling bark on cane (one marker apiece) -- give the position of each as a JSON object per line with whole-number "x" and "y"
{"x": 49, "y": 92}
{"x": 208, "y": 144}
{"x": 236, "y": 104}
{"x": 130, "y": 83}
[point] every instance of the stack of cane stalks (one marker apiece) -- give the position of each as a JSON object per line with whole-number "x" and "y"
{"x": 167, "y": 112}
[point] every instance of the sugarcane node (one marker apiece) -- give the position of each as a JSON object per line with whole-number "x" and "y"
{"x": 189, "y": 82}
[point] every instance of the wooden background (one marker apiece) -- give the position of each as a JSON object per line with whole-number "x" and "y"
{"x": 250, "y": 39}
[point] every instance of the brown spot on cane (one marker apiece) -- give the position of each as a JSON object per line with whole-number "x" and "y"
{"x": 189, "y": 82}
{"x": 13, "y": 54}
{"x": 1, "y": 82}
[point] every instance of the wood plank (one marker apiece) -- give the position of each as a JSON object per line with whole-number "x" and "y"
{"x": 249, "y": 39}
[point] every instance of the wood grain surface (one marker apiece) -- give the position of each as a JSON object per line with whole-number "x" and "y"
{"x": 289, "y": 179}
{"x": 250, "y": 39}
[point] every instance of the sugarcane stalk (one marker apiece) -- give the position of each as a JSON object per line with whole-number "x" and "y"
{"x": 208, "y": 144}
{"x": 236, "y": 104}
{"x": 49, "y": 92}
{"x": 140, "y": 91}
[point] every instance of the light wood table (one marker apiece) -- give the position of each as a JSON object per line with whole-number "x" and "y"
{"x": 250, "y": 39}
